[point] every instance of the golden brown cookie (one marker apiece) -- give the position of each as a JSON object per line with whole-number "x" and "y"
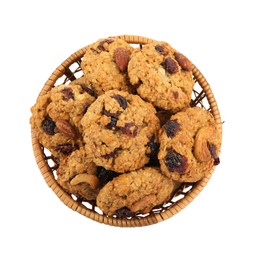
{"x": 56, "y": 118}
{"x": 162, "y": 76}
{"x": 119, "y": 130}
{"x": 189, "y": 145}
{"x": 77, "y": 175}
{"x": 135, "y": 192}
{"x": 105, "y": 65}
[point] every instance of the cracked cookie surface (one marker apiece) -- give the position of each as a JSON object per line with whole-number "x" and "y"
{"x": 105, "y": 65}
{"x": 117, "y": 129}
{"x": 189, "y": 144}
{"x": 162, "y": 76}
{"x": 135, "y": 192}
{"x": 56, "y": 118}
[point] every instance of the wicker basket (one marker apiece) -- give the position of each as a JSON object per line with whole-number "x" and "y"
{"x": 69, "y": 70}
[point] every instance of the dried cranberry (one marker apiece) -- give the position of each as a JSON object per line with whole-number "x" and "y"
{"x": 48, "y": 125}
{"x": 121, "y": 101}
{"x": 68, "y": 93}
{"x": 105, "y": 175}
{"x": 171, "y": 128}
{"x": 175, "y": 162}
{"x": 112, "y": 154}
{"x": 212, "y": 149}
{"x": 88, "y": 90}
{"x": 123, "y": 213}
{"x": 161, "y": 50}
{"x": 65, "y": 149}
{"x": 175, "y": 94}
{"x": 170, "y": 65}
{"x": 130, "y": 129}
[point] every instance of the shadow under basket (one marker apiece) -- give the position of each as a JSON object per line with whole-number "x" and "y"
{"x": 68, "y": 71}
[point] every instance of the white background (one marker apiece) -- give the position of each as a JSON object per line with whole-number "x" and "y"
{"x": 36, "y": 36}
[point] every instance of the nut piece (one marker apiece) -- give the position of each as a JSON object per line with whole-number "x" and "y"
{"x": 201, "y": 143}
{"x": 142, "y": 203}
{"x": 64, "y": 127}
{"x": 92, "y": 180}
{"x": 170, "y": 65}
{"x": 160, "y": 49}
{"x": 121, "y": 57}
{"x": 183, "y": 61}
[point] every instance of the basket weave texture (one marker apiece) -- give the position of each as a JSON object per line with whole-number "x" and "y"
{"x": 68, "y": 71}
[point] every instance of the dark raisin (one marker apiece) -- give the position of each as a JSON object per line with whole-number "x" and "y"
{"x": 110, "y": 114}
{"x": 101, "y": 47}
{"x": 121, "y": 101}
{"x": 85, "y": 107}
{"x": 163, "y": 116}
{"x": 130, "y": 129}
{"x": 48, "y": 126}
{"x": 112, "y": 154}
{"x": 171, "y": 128}
{"x": 88, "y": 90}
{"x": 216, "y": 161}
{"x": 105, "y": 175}
{"x": 170, "y": 65}
{"x": 154, "y": 148}
{"x": 175, "y": 162}
{"x": 65, "y": 149}
{"x": 112, "y": 124}
{"x": 212, "y": 149}
{"x": 124, "y": 213}
{"x": 161, "y": 50}
{"x": 68, "y": 93}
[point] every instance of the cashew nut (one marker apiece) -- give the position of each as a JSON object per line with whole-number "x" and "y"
{"x": 141, "y": 204}
{"x": 92, "y": 180}
{"x": 204, "y": 136}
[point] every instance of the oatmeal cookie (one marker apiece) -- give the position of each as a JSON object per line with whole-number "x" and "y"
{"x": 120, "y": 130}
{"x": 135, "y": 192}
{"x": 56, "y": 118}
{"x": 162, "y": 75}
{"x": 105, "y": 65}
{"x": 189, "y": 145}
{"x": 77, "y": 175}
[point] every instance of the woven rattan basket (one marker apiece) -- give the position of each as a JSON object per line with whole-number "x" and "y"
{"x": 68, "y": 71}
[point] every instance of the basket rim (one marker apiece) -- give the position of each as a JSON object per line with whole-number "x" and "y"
{"x": 76, "y": 206}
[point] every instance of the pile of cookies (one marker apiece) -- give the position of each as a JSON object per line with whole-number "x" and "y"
{"x": 124, "y": 135}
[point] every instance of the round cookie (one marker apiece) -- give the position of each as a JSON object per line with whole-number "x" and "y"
{"x": 162, "y": 76}
{"x": 135, "y": 192}
{"x": 105, "y": 65}
{"x": 189, "y": 145}
{"x": 56, "y": 118}
{"x": 77, "y": 175}
{"x": 120, "y": 130}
